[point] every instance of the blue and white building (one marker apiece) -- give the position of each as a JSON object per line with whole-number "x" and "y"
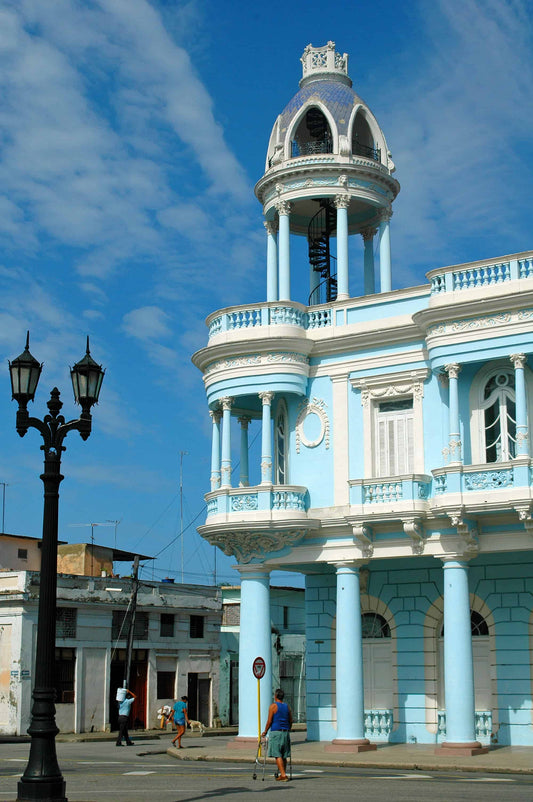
{"x": 395, "y": 450}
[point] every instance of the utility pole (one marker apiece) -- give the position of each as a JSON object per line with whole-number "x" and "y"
{"x": 182, "y": 454}
{"x": 4, "y": 485}
{"x": 133, "y": 605}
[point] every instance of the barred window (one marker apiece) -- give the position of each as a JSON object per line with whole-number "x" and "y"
{"x": 196, "y": 626}
{"x": 66, "y": 620}
{"x": 231, "y": 615}
{"x": 166, "y": 625}
{"x": 121, "y": 623}
{"x": 64, "y": 674}
{"x": 166, "y": 681}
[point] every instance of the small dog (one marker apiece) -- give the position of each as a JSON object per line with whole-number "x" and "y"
{"x": 196, "y": 725}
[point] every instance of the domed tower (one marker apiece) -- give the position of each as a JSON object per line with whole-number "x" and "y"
{"x": 328, "y": 176}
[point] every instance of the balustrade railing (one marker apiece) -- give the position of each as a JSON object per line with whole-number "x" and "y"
{"x": 483, "y": 725}
{"x": 263, "y": 499}
{"x": 378, "y": 724}
{"x": 468, "y": 277}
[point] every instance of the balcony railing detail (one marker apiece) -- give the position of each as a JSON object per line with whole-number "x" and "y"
{"x": 440, "y": 484}
{"x": 258, "y": 499}
{"x": 318, "y": 318}
{"x": 525, "y": 267}
{"x": 483, "y": 725}
{"x": 288, "y": 500}
{"x": 256, "y": 316}
{"x": 382, "y": 493}
{"x": 481, "y": 275}
{"x": 378, "y": 724}
{"x": 489, "y": 480}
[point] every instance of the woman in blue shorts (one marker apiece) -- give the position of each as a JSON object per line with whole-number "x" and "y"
{"x": 180, "y": 717}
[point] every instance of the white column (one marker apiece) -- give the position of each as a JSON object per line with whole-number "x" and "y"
{"x": 225, "y": 469}
{"x": 254, "y": 641}
{"x": 385, "y": 270}
{"x": 284, "y": 260}
{"x": 454, "y": 436}
{"x": 266, "y": 438}
{"x": 244, "y": 420}
{"x": 522, "y": 432}
{"x": 341, "y": 203}
{"x": 272, "y": 260}
{"x": 368, "y": 235}
{"x": 215, "y": 449}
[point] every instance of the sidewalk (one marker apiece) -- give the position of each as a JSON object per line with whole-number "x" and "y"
{"x": 500, "y": 760}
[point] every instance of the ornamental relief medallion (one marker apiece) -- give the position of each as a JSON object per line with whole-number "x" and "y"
{"x": 312, "y": 409}
{"x": 245, "y": 546}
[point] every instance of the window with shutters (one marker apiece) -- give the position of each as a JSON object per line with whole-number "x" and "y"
{"x": 500, "y": 417}
{"x": 394, "y": 437}
{"x": 280, "y": 466}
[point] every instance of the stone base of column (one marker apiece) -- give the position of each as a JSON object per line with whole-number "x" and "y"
{"x": 242, "y": 742}
{"x": 359, "y": 745}
{"x": 461, "y": 749}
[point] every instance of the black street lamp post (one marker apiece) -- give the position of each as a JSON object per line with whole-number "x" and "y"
{"x": 42, "y": 778}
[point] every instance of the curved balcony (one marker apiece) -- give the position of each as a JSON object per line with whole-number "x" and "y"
{"x": 260, "y": 502}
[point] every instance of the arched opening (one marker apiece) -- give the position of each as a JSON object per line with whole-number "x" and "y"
{"x": 362, "y": 139}
{"x": 499, "y": 412}
{"x": 281, "y": 445}
{"x": 313, "y": 134}
{"x": 377, "y": 662}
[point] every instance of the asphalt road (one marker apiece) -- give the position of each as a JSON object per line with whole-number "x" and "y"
{"x": 99, "y": 772}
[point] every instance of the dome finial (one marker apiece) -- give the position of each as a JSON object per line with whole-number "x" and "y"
{"x": 324, "y": 62}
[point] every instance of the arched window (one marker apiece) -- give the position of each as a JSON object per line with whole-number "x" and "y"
{"x": 313, "y": 134}
{"x": 478, "y": 625}
{"x": 281, "y": 443}
{"x": 499, "y": 412}
{"x": 373, "y": 625}
{"x": 362, "y": 140}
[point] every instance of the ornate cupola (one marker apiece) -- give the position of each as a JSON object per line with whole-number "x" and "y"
{"x": 328, "y": 176}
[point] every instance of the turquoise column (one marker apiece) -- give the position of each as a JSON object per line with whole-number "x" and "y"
{"x": 342, "y": 202}
{"x": 284, "y": 261}
{"x": 272, "y": 260}
{"x": 349, "y": 662}
{"x": 454, "y": 438}
{"x": 368, "y": 235}
{"x": 225, "y": 470}
{"x": 215, "y": 449}
{"x": 254, "y": 641}
{"x": 266, "y": 438}
{"x": 522, "y": 430}
{"x": 244, "y": 420}
{"x": 385, "y": 270}
{"x": 458, "y": 660}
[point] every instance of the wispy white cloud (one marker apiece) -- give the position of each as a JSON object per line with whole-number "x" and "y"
{"x": 459, "y": 129}
{"x": 147, "y": 323}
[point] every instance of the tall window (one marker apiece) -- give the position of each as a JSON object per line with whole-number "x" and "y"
{"x": 281, "y": 436}
{"x": 64, "y": 675}
{"x": 394, "y": 437}
{"x": 166, "y": 626}
{"x": 499, "y": 412}
{"x": 66, "y": 618}
{"x": 196, "y": 626}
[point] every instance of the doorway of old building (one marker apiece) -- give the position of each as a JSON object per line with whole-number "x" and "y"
{"x": 137, "y": 684}
{"x": 199, "y": 697}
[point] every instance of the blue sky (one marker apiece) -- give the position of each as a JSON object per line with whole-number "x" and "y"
{"x": 131, "y": 136}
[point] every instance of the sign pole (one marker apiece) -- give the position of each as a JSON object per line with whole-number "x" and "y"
{"x": 258, "y": 669}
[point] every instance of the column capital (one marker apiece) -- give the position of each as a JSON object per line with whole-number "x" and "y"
{"x": 247, "y": 570}
{"x": 453, "y": 370}
{"x": 368, "y": 233}
{"x": 342, "y": 201}
{"x": 271, "y": 226}
{"x": 385, "y": 214}
{"x": 351, "y": 566}
{"x": 518, "y": 360}
{"x": 283, "y": 207}
{"x": 226, "y": 402}
{"x": 244, "y": 420}
{"x": 266, "y": 397}
{"x": 215, "y": 415}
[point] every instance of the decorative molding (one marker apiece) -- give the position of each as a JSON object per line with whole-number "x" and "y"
{"x": 266, "y": 397}
{"x": 283, "y": 207}
{"x": 244, "y": 503}
{"x": 249, "y": 545}
{"x": 257, "y": 359}
{"x": 473, "y": 324}
{"x": 518, "y": 360}
{"x": 226, "y": 402}
{"x": 453, "y": 370}
{"x": 414, "y": 528}
{"x": 525, "y": 516}
{"x": 271, "y": 226}
{"x": 313, "y": 406}
{"x": 489, "y": 480}
{"x": 215, "y": 415}
{"x": 341, "y": 201}
{"x": 391, "y": 385}
{"x": 364, "y": 536}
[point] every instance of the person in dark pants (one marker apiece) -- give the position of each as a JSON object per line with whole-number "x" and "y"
{"x": 280, "y": 724}
{"x": 124, "y": 709}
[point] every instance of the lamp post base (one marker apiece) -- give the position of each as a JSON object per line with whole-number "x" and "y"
{"x": 47, "y": 791}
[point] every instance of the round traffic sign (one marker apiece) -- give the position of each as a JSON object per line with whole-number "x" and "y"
{"x": 259, "y": 667}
